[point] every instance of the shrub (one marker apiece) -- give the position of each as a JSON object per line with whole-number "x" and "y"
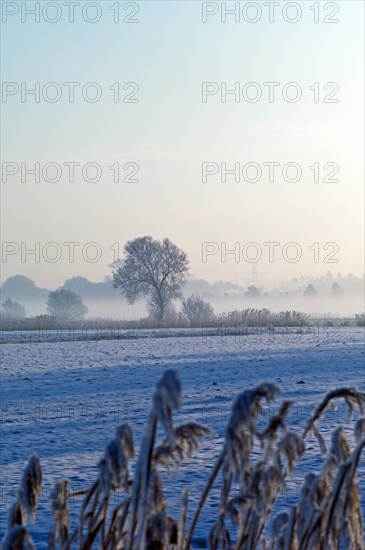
{"x": 196, "y": 310}
{"x": 327, "y": 514}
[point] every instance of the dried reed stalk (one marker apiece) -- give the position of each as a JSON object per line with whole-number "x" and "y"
{"x": 326, "y": 517}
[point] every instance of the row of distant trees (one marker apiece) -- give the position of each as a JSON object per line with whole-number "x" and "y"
{"x": 67, "y": 305}
{"x": 310, "y": 291}
{"x": 157, "y": 270}
{"x": 151, "y": 269}
{"x": 62, "y": 304}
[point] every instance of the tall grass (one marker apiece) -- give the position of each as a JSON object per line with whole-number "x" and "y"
{"x": 174, "y": 319}
{"x": 327, "y": 515}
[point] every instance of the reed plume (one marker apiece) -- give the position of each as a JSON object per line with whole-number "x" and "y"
{"x": 326, "y": 516}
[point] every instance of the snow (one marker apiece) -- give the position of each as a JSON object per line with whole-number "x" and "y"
{"x": 63, "y": 400}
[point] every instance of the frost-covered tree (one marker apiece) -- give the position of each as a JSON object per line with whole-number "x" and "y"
{"x": 65, "y": 304}
{"x": 13, "y": 310}
{"x": 310, "y": 291}
{"x": 336, "y": 290}
{"x": 196, "y": 310}
{"x": 252, "y": 292}
{"x": 153, "y": 269}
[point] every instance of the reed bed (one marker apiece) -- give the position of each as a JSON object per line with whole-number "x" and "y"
{"x": 327, "y": 515}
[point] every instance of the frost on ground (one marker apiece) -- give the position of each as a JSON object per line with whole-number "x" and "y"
{"x": 63, "y": 400}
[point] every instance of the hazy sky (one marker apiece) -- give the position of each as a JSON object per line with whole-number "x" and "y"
{"x": 170, "y": 132}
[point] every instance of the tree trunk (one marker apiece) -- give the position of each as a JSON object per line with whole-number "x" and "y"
{"x": 161, "y": 314}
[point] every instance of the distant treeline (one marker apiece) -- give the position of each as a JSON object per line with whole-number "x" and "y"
{"x": 24, "y": 289}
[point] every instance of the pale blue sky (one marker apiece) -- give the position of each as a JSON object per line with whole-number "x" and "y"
{"x": 170, "y": 132}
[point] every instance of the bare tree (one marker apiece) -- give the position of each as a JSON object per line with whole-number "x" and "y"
{"x": 196, "y": 310}
{"x": 154, "y": 269}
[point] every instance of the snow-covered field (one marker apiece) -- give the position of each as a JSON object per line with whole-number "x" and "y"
{"x": 63, "y": 400}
